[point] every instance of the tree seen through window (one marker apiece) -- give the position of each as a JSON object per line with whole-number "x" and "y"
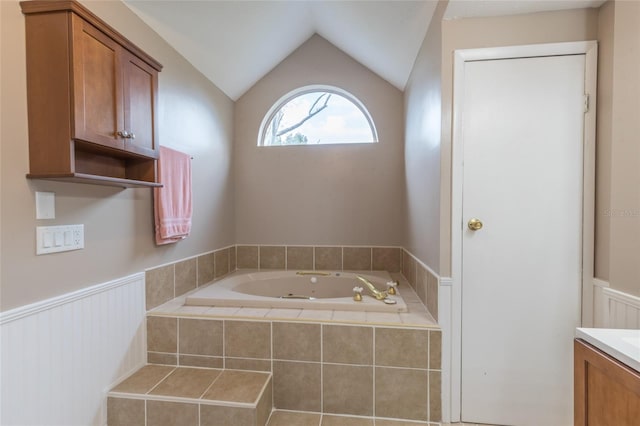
{"x": 318, "y": 117}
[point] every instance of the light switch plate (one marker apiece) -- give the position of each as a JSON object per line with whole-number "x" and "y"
{"x": 53, "y": 239}
{"x": 45, "y": 205}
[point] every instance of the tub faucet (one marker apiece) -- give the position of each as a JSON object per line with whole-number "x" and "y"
{"x": 379, "y": 295}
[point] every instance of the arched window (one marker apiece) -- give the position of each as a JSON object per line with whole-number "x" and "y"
{"x": 315, "y": 115}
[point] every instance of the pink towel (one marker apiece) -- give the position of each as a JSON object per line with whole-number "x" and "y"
{"x": 172, "y": 202}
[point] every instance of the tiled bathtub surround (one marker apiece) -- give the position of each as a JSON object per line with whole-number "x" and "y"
{"x": 349, "y": 369}
{"x": 423, "y": 281}
{"x": 175, "y": 279}
{"x": 335, "y": 258}
{"x": 172, "y": 280}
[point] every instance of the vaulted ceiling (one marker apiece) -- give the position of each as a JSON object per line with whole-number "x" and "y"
{"x": 235, "y": 43}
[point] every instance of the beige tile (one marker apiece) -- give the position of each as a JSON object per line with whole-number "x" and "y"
{"x": 253, "y": 312}
{"x": 284, "y": 313}
{"x": 265, "y": 404}
{"x": 347, "y": 344}
{"x": 300, "y": 258}
{"x": 200, "y": 337}
{"x": 162, "y": 334}
{"x": 435, "y": 400}
{"x": 162, "y": 358}
{"x": 387, "y": 259}
{"x": 405, "y": 264}
{"x": 312, "y": 314}
{"x": 206, "y": 268}
{"x": 143, "y": 380}
{"x": 272, "y": 257}
{"x": 409, "y": 295}
{"x": 432, "y": 295}
{"x": 421, "y": 284}
{"x": 329, "y": 420}
{"x": 232, "y": 259}
{"x": 237, "y": 386}
{"x": 409, "y": 268}
{"x": 398, "y": 347}
{"x": 296, "y": 341}
{"x": 186, "y": 276}
{"x": 328, "y": 258}
{"x": 247, "y": 257}
{"x": 419, "y": 319}
{"x": 165, "y": 413}
{"x": 287, "y": 418}
{"x": 350, "y": 316}
{"x": 248, "y": 364}
{"x": 125, "y": 412}
{"x": 223, "y": 311}
{"x": 186, "y": 382}
{"x": 192, "y": 310}
{"x": 212, "y": 415}
{"x": 386, "y": 422}
{"x": 201, "y": 361}
{"x": 247, "y": 339}
{"x": 159, "y": 286}
{"x": 296, "y": 386}
{"x": 347, "y": 389}
{"x": 462, "y": 424}
{"x": 170, "y": 306}
{"x": 221, "y": 258}
{"x": 356, "y": 258}
{"x": 401, "y": 393}
{"x": 383, "y": 318}
{"x": 435, "y": 349}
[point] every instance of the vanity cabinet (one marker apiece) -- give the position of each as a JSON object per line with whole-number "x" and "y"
{"x": 92, "y": 99}
{"x": 606, "y": 391}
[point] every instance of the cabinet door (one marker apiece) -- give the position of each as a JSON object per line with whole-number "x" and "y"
{"x": 97, "y": 86}
{"x": 140, "y": 105}
{"x": 606, "y": 392}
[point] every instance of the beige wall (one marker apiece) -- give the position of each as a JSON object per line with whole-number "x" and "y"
{"x": 423, "y": 98}
{"x": 326, "y": 194}
{"x": 618, "y": 208}
{"x": 194, "y": 116}
{"x": 548, "y": 27}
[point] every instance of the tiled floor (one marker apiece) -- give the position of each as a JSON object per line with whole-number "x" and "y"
{"x": 465, "y": 424}
{"x": 290, "y": 418}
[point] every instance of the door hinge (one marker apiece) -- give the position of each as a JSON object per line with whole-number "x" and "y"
{"x": 586, "y": 103}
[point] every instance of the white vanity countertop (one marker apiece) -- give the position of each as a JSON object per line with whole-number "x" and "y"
{"x": 623, "y": 345}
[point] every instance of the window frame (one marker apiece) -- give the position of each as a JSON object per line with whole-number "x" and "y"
{"x": 284, "y": 100}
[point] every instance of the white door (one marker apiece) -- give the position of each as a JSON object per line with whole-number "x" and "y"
{"x": 522, "y": 136}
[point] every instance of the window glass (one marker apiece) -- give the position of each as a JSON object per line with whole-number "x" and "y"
{"x": 318, "y": 116}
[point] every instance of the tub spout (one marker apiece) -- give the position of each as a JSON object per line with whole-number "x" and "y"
{"x": 379, "y": 295}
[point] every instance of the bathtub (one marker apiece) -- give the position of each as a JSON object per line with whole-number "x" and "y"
{"x": 295, "y": 289}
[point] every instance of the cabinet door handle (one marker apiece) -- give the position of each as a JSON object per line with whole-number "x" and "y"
{"x": 131, "y": 136}
{"x": 123, "y": 134}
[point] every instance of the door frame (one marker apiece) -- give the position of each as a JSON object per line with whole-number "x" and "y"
{"x": 589, "y": 49}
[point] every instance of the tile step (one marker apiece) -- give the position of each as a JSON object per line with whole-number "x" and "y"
{"x": 165, "y": 395}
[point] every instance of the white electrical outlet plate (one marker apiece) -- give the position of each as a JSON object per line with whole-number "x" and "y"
{"x": 45, "y": 205}
{"x": 53, "y": 239}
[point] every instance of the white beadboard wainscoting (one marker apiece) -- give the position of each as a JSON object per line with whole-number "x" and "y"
{"x": 59, "y": 357}
{"x": 613, "y": 308}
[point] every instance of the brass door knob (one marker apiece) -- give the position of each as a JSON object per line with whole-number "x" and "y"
{"x": 475, "y": 224}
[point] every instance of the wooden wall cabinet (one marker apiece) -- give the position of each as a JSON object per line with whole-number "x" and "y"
{"x": 606, "y": 391}
{"x": 92, "y": 99}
